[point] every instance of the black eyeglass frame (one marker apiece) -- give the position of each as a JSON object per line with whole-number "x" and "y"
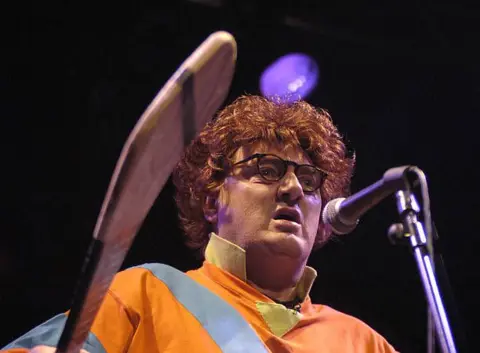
{"x": 259, "y": 156}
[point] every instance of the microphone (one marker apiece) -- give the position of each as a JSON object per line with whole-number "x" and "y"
{"x": 343, "y": 214}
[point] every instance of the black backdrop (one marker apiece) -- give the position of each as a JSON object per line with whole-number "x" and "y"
{"x": 401, "y": 82}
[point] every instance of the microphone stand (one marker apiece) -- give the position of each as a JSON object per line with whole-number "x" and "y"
{"x": 413, "y": 230}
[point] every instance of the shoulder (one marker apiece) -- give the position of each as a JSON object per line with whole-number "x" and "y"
{"x": 355, "y": 329}
{"x": 141, "y": 274}
{"x": 337, "y": 317}
{"x": 135, "y": 284}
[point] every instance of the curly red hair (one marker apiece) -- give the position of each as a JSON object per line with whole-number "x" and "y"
{"x": 249, "y": 119}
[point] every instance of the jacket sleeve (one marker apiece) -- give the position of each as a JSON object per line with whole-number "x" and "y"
{"x": 111, "y": 332}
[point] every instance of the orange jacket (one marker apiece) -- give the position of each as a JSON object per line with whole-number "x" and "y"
{"x": 141, "y": 313}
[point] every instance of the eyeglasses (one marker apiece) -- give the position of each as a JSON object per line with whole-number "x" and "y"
{"x": 272, "y": 168}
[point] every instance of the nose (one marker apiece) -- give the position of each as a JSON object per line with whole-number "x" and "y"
{"x": 290, "y": 190}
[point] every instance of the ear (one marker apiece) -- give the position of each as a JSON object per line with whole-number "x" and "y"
{"x": 210, "y": 209}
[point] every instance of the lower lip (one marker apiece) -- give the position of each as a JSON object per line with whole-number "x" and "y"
{"x": 287, "y": 226}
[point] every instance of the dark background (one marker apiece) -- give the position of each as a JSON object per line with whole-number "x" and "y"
{"x": 400, "y": 80}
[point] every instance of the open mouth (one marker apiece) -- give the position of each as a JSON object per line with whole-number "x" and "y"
{"x": 287, "y": 215}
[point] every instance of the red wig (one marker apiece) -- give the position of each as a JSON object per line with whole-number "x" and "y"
{"x": 249, "y": 119}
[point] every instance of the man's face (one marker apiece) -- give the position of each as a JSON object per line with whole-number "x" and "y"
{"x": 257, "y": 215}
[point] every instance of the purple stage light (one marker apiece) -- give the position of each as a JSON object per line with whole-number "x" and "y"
{"x": 290, "y": 78}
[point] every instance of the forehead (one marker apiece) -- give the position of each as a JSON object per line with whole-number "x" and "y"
{"x": 289, "y": 152}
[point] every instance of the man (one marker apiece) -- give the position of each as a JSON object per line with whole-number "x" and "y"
{"x": 250, "y": 191}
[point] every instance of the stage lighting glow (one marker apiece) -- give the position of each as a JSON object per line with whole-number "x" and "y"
{"x": 290, "y": 77}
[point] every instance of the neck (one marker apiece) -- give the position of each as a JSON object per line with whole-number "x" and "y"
{"x": 275, "y": 278}
{"x": 279, "y": 296}
{"x": 281, "y": 279}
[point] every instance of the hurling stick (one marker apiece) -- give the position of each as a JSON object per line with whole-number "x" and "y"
{"x": 181, "y": 108}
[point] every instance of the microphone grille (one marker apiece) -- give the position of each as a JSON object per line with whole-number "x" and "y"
{"x": 330, "y": 210}
{"x": 331, "y": 216}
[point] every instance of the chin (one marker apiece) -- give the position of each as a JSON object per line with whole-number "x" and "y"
{"x": 287, "y": 244}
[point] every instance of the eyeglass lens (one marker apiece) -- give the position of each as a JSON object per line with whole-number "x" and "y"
{"x": 273, "y": 168}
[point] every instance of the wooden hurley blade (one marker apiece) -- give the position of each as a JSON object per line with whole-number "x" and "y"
{"x": 181, "y": 108}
